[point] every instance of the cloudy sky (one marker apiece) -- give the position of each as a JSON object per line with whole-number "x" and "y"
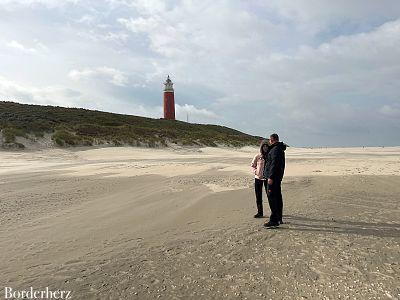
{"x": 318, "y": 72}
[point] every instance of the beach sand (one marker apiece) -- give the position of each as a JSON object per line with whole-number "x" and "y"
{"x": 132, "y": 223}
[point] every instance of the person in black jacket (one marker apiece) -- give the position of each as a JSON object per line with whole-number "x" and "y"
{"x": 273, "y": 172}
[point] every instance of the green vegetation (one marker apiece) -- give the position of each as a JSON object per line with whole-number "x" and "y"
{"x": 77, "y": 126}
{"x": 9, "y": 134}
{"x": 65, "y": 138}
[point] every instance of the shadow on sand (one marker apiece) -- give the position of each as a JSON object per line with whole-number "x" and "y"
{"x": 300, "y": 223}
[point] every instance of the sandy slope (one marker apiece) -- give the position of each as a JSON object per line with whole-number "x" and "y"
{"x": 125, "y": 222}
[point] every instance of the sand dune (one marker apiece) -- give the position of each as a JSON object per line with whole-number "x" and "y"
{"x": 126, "y": 223}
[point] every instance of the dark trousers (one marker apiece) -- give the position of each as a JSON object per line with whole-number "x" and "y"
{"x": 275, "y": 201}
{"x": 258, "y": 188}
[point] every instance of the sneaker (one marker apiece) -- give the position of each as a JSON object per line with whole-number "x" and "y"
{"x": 271, "y": 225}
{"x": 258, "y": 215}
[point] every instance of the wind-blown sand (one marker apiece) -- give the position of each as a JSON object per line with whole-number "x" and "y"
{"x": 130, "y": 223}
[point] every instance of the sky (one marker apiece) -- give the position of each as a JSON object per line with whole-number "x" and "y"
{"x": 317, "y": 72}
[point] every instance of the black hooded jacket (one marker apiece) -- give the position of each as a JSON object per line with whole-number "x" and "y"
{"x": 275, "y": 163}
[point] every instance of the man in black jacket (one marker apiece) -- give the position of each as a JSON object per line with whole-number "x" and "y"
{"x": 273, "y": 171}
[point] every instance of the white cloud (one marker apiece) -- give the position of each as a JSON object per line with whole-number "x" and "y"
{"x": 320, "y": 10}
{"x": 195, "y": 114}
{"x": 15, "y": 4}
{"x": 95, "y": 35}
{"x": 149, "y": 7}
{"x": 114, "y": 76}
{"x": 39, "y": 47}
{"x": 87, "y": 19}
{"x": 55, "y": 95}
{"x": 16, "y": 45}
{"x": 116, "y": 36}
{"x": 139, "y": 24}
{"x": 194, "y": 31}
{"x": 69, "y": 97}
{"x": 391, "y": 110}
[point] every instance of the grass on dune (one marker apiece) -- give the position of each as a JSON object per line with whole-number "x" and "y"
{"x": 78, "y": 127}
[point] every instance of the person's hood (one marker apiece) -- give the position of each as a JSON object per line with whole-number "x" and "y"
{"x": 281, "y": 145}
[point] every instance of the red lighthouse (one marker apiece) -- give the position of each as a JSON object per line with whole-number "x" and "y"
{"x": 169, "y": 102}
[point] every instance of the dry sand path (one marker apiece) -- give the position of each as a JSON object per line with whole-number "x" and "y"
{"x": 127, "y": 223}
